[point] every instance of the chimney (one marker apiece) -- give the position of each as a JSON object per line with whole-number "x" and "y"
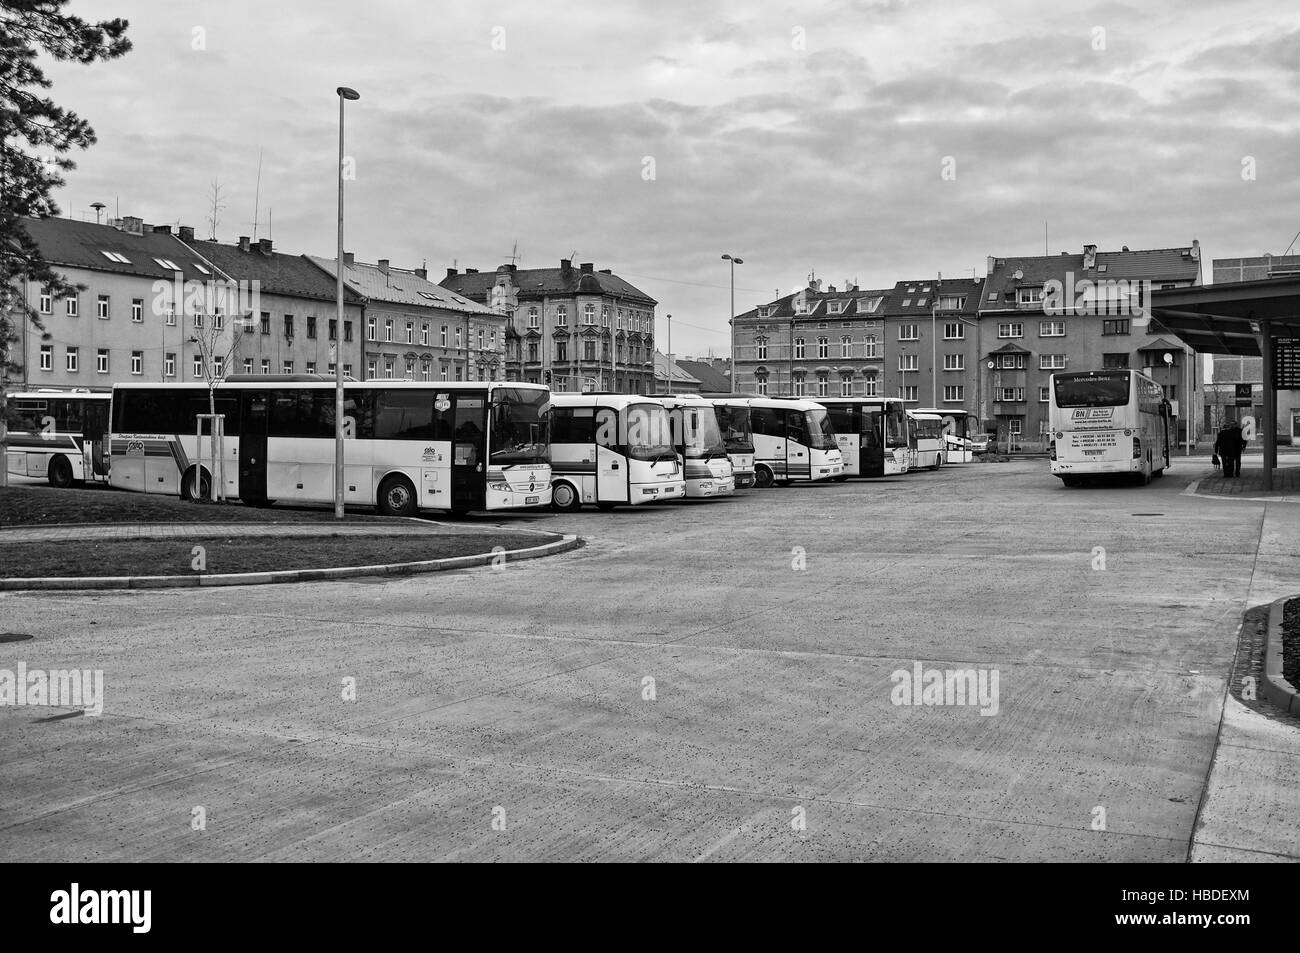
{"x": 587, "y": 267}
{"x": 988, "y": 265}
{"x": 243, "y": 243}
{"x": 131, "y": 225}
{"x": 422, "y": 274}
{"x": 607, "y": 271}
{"x": 471, "y": 271}
{"x": 264, "y": 246}
{"x": 348, "y": 259}
{"x": 186, "y": 233}
{"x": 161, "y": 229}
{"x": 451, "y": 273}
{"x": 815, "y": 285}
{"x": 1196, "y": 249}
{"x": 855, "y": 288}
{"x": 383, "y": 265}
{"x": 831, "y": 289}
{"x": 566, "y": 266}
{"x": 1089, "y": 257}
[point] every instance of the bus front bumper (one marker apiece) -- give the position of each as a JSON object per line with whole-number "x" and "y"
{"x": 714, "y": 486}
{"x": 649, "y": 492}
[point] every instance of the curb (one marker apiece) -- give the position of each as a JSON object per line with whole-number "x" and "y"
{"x": 1276, "y": 688}
{"x": 565, "y": 544}
{"x": 1192, "y": 489}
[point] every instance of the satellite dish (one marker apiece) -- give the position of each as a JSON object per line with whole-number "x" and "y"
{"x": 1018, "y": 275}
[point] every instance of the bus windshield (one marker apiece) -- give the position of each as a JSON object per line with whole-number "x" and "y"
{"x": 895, "y": 426}
{"x": 701, "y": 438}
{"x": 1097, "y": 390}
{"x": 820, "y": 434}
{"x": 734, "y": 423}
{"x": 649, "y": 435}
{"x": 520, "y": 426}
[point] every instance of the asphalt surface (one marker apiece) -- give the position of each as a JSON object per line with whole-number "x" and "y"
{"x": 506, "y": 714}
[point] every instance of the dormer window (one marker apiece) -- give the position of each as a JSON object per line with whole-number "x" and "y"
{"x": 765, "y": 312}
{"x": 1029, "y": 295}
{"x": 835, "y": 307}
{"x": 117, "y": 257}
{"x": 168, "y": 264}
{"x": 867, "y": 305}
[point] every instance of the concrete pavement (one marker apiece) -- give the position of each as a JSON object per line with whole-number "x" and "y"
{"x": 703, "y": 681}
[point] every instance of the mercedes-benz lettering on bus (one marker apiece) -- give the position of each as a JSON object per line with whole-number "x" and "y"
{"x": 58, "y": 435}
{"x": 608, "y": 449}
{"x": 793, "y": 440}
{"x": 927, "y": 439}
{"x": 408, "y": 445}
{"x": 733, "y": 420}
{"x": 871, "y": 433}
{"x": 699, "y": 443}
{"x": 1111, "y": 421}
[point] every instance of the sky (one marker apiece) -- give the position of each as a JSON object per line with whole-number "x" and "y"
{"x": 868, "y": 142}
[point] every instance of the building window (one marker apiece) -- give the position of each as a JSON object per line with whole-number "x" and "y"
{"x": 410, "y": 368}
{"x": 846, "y": 346}
{"x": 137, "y": 362}
{"x": 426, "y": 370}
{"x": 170, "y": 317}
{"x": 1051, "y": 362}
{"x": 370, "y": 329}
{"x": 388, "y": 329}
{"x": 410, "y": 332}
{"x": 248, "y": 365}
{"x": 798, "y": 386}
{"x": 480, "y": 339}
{"x": 589, "y": 315}
{"x": 1011, "y": 362}
{"x": 907, "y": 362}
{"x": 588, "y": 350}
{"x": 760, "y": 385}
{"x": 954, "y": 331}
{"x": 388, "y": 369}
{"x": 137, "y": 310}
{"x": 1029, "y": 295}
{"x": 1117, "y": 326}
{"x": 311, "y": 327}
{"x": 1051, "y": 329}
{"x": 953, "y": 393}
{"x": 1044, "y": 394}
{"x": 218, "y": 364}
{"x": 952, "y": 302}
{"x": 1012, "y": 330}
{"x": 370, "y": 370}
{"x": 198, "y": 319}
{"x": 424, "y": 335}
{"x": 954, "y": 362}
{"x": 823, "y": 349}
{"x": 846, "y": 385}
{"x": 218, "y": 318}
{"x": 798, "y": 348}
{"x": 47, "y": 303}
{"x": 561, "y": 352}
{"x": 198, "y": 367}
{"x": 266, "y": 365}
{"x": 870, "y": 346}
{"x": 47, "y": 357}
{"x": 347, "y": 370}
{"x": 458, "y": 339}
{"x": 265, "y": 322}
{"x": 492, "y": 339}
{"x": 169, "y": 364}
{"x": 534, "y": 321}
{"x": 311, "y": 367}
{"x": 1114, "y": 361}
{"x": 71, "y": 356}
{"x": 909, "y": 393}
{"x": 869, "y": 388}
{"x": 1011, "y": 394}
{"x": 101, "y": 361}
{"x": 762, "y": 351}
{"x": 822, "y": 386}
{"x": 72, "y": 305}
{"x": 908, "y": 332}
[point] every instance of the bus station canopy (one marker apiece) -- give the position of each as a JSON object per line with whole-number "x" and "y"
{"x": 1225, "y": 319}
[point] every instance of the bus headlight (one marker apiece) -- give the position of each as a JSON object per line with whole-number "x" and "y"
{"x": 501, "y": 487}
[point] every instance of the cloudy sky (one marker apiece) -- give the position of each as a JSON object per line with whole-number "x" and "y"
{"x": 870, "y": 141}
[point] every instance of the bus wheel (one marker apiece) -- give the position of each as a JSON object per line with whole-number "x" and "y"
{"x": 565, "y": 498}
{"x": 187, "y": 484}
{"x": 397, "y": 497}
{"x": 938, "y": 462}
{"x": 762, "y": 477}
{"x": 60, "y": 472}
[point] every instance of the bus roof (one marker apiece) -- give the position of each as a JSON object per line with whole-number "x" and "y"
{"x": 614, "y": 401}
{"x": 917, "y": 415}
{"x": 257, "y": 382}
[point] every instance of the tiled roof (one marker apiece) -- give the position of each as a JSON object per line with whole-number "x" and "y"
{"x": 784, "y": 307}
{"x": 907, "y": 295}
{"x": 399, "y": 286}
{"x": 275, "y": 272}
{"x": 661, "y": 370}
{"x": 539, "y": 282}
{"x": 1156, "y": 264}
{"x": 710, "y": 377}
{"x": 82, "y": 245}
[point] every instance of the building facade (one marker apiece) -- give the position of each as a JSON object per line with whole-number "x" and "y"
{"x": 149, "y": 308}
{"x": 813, "y": 343}
{"x": 414, "y": 329}
{"x": 933, "y": 323}
{"x": 575, "y": 328}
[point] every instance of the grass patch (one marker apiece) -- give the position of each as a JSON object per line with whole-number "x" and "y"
{"x": 47, "y": 506}
{"x": 173, "y": 556}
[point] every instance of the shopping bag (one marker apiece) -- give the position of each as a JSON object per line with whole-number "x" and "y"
{"x": 1214, "y": 459}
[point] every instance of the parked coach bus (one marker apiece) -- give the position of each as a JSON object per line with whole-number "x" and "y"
{"x": 1107, "y": 422}
{"x": 871, "y": 433}
{"x": 960, "y": 428}
{"x": 608, "y": 449}
{"x": 409, "y": 445}
{"x": 738, "y": 436}
{"x": 58, "y": 435}
{"x": 792, "y": 437}
{"x": 699, "y": 444}
{"x": 926, "y": 439}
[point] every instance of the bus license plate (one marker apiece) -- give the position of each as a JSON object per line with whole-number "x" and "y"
{"x": 532, "y": 499}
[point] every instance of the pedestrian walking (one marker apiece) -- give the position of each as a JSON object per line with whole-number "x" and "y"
{"x": 1228, "y": 447}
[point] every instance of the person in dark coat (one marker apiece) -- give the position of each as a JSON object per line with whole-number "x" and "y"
{"x": 1229, "y": 446}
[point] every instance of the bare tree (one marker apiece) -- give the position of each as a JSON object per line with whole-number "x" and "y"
{"x": 219, "y": 349}
{"x": 216, "y": 208}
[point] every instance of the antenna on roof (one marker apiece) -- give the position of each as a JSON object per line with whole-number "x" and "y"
{"x": 514, "y": 254}
{"x": 257, "y": 193}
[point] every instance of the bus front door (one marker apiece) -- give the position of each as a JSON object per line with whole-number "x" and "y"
{"x": 469, "y": 453}
{"x": 797, "y": 463}
{"x": 252, "y": 447}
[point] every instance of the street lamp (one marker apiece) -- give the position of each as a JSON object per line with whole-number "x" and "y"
{"x": 344, "y": 94}
{"x": 732, "y": 323}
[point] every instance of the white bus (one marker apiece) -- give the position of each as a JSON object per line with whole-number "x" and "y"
{"x": 609, "y": 449}
{"x": 793, "y": 440}
{"x": 960, "y": 428}
{"x": 871, "y": 433}
{"x": 698, "y": 440}
{"x": 409, "y": 446}
{"x": 58, "y": 435}
{"x": 926, "y": 439}
{"x": 738, "y": 436}
{"x": 1108, "y": 422}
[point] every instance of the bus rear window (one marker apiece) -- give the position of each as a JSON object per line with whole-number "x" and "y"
{"x": 1102, "y": 390}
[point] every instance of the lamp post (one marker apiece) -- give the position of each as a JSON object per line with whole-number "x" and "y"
{"x": 344, "y": 94}
{"x": 732, "y": 322}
